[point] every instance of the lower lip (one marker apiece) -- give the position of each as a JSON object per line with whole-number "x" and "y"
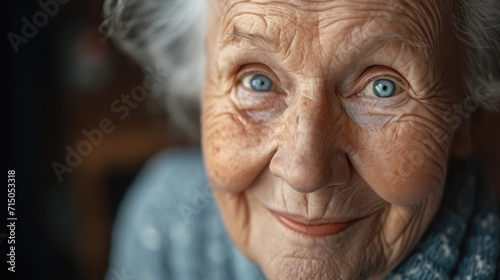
{"x": 312, "y": 230}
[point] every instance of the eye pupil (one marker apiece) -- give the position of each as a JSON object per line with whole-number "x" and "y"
{"x": 261, "y": 83}
{"x": 384, "y": 88}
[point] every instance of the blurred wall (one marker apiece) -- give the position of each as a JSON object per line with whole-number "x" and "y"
{"x": 62, "y": 77}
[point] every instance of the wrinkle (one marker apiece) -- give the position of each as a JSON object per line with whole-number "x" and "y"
{"x": 305, "y": 196}
{"x": 256, "y": 40}
{"x": 213, "y": 119}
{"x": 322, "y": 49}
{"x": 283, "y": 196}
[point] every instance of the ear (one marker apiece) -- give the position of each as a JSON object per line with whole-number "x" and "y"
{"x": 462, "y": 142}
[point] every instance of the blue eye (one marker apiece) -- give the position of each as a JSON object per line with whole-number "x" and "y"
{"x": 384, "y": 88}
{"x": 259, "y": 83}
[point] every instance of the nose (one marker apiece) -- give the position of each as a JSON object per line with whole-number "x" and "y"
{"x": 308, "y": 156}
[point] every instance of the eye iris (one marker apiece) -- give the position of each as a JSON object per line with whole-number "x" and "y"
{"x": 384, "y": 88}
{"x": 261, "y": 83}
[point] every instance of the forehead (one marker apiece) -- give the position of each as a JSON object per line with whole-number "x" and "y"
{"x": 274, "y": 24}
{"x": 331, "y": 17}
{"x": 330, "y": 32}
{"x": 329, "y": 9}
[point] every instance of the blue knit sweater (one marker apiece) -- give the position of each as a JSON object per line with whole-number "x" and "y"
{"x": 169, "y": 228}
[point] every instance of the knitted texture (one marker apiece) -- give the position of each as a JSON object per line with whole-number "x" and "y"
{"x": 463, "y": 240}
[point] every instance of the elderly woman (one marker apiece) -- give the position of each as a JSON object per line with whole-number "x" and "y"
{"x": 334, "y": 136}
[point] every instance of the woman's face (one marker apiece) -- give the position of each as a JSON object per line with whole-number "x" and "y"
{"x": 326, "y": 131}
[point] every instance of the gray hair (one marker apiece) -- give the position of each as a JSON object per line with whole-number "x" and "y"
{"x": 167, "y": 35}
{"x": 170, "y": 34}
{"x": 478, "y": 28}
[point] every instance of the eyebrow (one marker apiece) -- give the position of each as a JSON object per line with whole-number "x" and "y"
{"x": 256, "y": 40}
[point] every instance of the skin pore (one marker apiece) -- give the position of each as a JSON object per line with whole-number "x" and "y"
{"x": 318, "y": 144}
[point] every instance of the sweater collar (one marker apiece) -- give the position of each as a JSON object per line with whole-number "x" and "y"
{"x": 463, "y": 241}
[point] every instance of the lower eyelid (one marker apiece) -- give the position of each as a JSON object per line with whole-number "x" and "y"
{"x": 248, "y": 101}
{"x": 257, "y": 69}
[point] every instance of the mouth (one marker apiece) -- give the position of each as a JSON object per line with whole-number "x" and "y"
{"x": 314, "y": 228}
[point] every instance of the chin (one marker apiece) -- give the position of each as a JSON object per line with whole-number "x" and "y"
{"x": 287, "y": 246}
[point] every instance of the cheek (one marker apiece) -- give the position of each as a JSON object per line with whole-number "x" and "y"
{"x": 234, "y": 152}
{"x": 403, "y": 163}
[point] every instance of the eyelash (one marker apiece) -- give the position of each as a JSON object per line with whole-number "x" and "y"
{"x": 400, "y": 84}
{"x": 255, "y": 72}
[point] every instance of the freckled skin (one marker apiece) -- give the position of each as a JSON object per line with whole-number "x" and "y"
{"x": 316, "y": 145}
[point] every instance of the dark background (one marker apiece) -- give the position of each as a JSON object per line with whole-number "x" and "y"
{"x": 62, "y": 81}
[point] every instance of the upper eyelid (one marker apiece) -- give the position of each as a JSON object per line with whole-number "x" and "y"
{"x": 399, "y": 81}
{"x": 372, "y": 75}
{"x": 247, "y": 74}
{"x": 243, "y": 72}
